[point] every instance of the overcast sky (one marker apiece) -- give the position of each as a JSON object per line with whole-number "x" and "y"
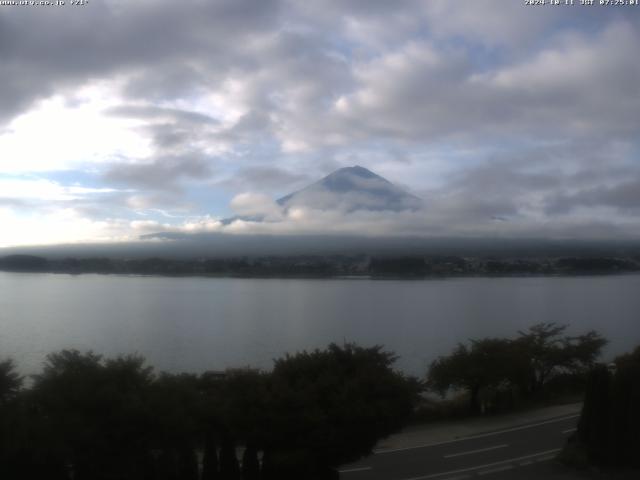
{"x": 121, "y": 118}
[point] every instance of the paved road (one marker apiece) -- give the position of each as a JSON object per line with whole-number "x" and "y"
{"x": 489, "y": 455}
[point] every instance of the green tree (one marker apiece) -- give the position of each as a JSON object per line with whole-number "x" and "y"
{"x": 175, "y": 406}
{"x": 96, "y": 413}
{"x": 593, "y": 426}
{"x": 10, "y": 381}
{"x": 330, "y": 407}
{"x": 232, "y": 413}
{"x": 625, "y": 410}
{"x": 250, "y": 463}
{"x": 609, "y": 426}
{"x": 229, "y": 466}
{"x": 13, "y": 435}
{"x": 240, "y": 401}
{"x": 549, "y": 352}
{"x": 486, "y": 363}
{"x": 525, "y": 364}
{"x": 210, "y": 467}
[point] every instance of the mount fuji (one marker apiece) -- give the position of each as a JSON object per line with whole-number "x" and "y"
{"x": 352, "y": 188}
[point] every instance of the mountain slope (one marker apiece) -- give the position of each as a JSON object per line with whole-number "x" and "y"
{"x": 352, "y": 188}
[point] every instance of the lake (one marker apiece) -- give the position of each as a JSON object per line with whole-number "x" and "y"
{"x": 195, "y": 324}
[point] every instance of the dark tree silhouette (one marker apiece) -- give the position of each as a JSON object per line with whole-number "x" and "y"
{"x": 13, "y": 434}
{"x": 486, "y": 363}
{"x": 90, "y": 418}
{"x": 174, "y": 404}
{"x": 210, "y": 466}
{"x": 549, "y": 352}
{"x": 525, "y": 364}
{"x": 609, "y": 428}
{"x": 329, "y": 407}
{"x": 10, "y": 381}
{"x": 96, "y": 413}
{"x": 229, "y": 465}
{"x": 250, "y": 463}
{"x": 593, "y": 426}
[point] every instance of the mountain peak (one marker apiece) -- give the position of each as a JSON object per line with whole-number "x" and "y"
{"x": 355, "y": 170}
{"x": 352, "y": 188}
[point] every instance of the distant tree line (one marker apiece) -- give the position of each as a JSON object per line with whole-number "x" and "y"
{"x": 324, "y": 266}
{"x": 495, "y": 372}
{"x": 85, "y": 417}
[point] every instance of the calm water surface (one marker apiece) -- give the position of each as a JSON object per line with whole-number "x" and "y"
{"x": 196, "y": 324}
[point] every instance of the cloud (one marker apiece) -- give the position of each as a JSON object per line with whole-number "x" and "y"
{"x": 623, "y": 198}
{"x": 580, "y": 85}
{"x": 58, "y": 225}
{"x": 111, "y": 38}
{"x": 486, "y": 110}
{"x": 434, "y": 223}
{"x": 266, "y": 178}
{"x": 491, "y": 22}
{"x": 57, "y": 136}
{"x": 159, "y": 113}
{"x": 160, "y": 173}
{"x": 256, "y": 205}
{"x": 43, "y": 192}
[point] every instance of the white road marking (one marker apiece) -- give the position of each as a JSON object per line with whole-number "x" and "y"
{"x": 569, "y": 430}
{"x": 473, "y": 437}
{"x": 475, "y": 451}
{"x": 356, "y": 469}
{"x": 546, "y": 458}
{"x": 496, "y": 470}
{"x": 487, "y": 465}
